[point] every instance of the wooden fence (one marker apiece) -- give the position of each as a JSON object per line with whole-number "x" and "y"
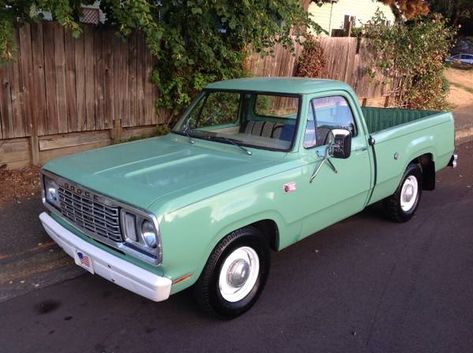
{"x": 63, "y": 95}
{"x": 346, "y": 60}
{"x": 59, "y": 86}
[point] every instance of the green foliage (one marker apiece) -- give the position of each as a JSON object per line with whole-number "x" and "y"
{"x": 162, "y": 129}
{"x": 205, "y": 41}
{"x": 194, "y": 41}
{"x": 218, "y": 108}
{"x": 412, "y": 56}
{"x": 312, "y": 61}
{"x": 7, "y": 45}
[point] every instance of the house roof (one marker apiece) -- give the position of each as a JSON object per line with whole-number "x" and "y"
{"x": 290, "y": 85}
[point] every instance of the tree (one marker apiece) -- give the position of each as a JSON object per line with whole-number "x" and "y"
{"x": 459, "y": 12}
{"x": 194, "y": 41}
{"x": 409, "y": 9}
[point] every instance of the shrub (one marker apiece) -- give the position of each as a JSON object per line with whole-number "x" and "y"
{"x": 411, "y": 56}
{"x": 311, "y": 62}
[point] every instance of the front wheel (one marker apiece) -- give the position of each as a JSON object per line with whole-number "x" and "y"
{"x": 401, "y": 206}
{"x": 235, "y": 274}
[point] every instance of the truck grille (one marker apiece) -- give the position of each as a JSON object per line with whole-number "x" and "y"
{"x": 94, "y": 217}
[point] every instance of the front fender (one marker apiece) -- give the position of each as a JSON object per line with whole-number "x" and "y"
{"x": 189, "y": 234}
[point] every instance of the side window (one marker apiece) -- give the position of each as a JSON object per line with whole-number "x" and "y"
{"x": 331, "y": 113}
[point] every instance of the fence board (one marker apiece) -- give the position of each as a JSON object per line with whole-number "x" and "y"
{"x": 1, "y": 107}
{"x": 108, "y": 76}
{"x": 149, "y": 91}
{"x": 60, "y": 67}
{"x": 79, "y": 64}
{"x": 101, "y": 121}
{"x": 15, "y": 153}
{"x": 49, "y": 154}
{"x": 50, "y": 80}
{"x": 16, "y": 125}
{"x": 7, "y": 109}
{"x": 72, "y": 139}
{"x": 140, "y": 72}
{"x": 89, "y": 77}
{"x": 70, "y": 92}
{"x": 38, "y": 96}
{"x": 24, "y": 77}
{"x": 131, "y": 107}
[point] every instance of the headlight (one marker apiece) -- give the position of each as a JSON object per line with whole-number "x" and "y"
{"x": 51, "y": 192}
{"x": 141, "y": 233}
{"x": 149, "y": 234}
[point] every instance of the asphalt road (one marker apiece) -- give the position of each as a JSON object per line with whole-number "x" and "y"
{"x": 363, "y": 285}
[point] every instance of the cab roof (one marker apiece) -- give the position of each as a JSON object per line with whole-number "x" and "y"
{"x": 290, "y": 85}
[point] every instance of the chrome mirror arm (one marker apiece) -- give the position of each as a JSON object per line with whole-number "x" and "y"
{"x": 325, "y": 159}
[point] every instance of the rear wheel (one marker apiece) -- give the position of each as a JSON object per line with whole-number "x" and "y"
{"x": 235, "y": 274}
{"x": 401, "y": 206}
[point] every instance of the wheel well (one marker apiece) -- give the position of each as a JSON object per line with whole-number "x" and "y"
{"x": 427, "y": 165}
{"x": 270, "y": 230}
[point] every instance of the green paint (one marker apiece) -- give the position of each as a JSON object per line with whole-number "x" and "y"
{"x": 204, "y": 190}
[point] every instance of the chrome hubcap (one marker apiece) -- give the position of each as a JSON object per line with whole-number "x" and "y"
{"x": 409, "y": 192}
{"x": 239, "y": 274}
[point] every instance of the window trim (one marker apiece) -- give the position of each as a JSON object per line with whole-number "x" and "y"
{"x": 241, "y": 92}
{"x": 311, "y": 106}
{"x": 338, "y": 94}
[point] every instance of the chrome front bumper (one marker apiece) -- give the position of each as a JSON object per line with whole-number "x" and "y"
{"x": 108, "y": 266}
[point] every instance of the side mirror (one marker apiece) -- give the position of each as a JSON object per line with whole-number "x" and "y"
{"x": 340, "y": 146}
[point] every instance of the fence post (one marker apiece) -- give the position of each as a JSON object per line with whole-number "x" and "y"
{"x": 117, "y": 130}
{"x": 34, "y": 145}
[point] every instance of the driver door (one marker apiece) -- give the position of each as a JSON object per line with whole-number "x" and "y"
{"x": 333, "y": 196}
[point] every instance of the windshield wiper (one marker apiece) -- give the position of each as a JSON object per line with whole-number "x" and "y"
{"x": 233, "y": 142}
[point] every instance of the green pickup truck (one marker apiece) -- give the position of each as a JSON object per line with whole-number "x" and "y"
{"x": 253, "y": 165}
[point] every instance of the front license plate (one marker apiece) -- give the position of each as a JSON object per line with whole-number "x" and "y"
{"x": 84, "y": 260}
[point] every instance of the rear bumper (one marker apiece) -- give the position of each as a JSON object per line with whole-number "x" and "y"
{"x": 108, "y": 266}
{"x": 453, "y": 161}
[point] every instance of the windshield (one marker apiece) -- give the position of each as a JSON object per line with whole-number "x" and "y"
{"x": 250, "y": 119}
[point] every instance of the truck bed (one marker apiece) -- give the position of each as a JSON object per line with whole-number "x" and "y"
{"x": 400, "y": 136}
{"x": 378, "y": 119}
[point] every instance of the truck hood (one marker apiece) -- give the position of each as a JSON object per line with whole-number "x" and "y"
{"x": 152, "y": 172}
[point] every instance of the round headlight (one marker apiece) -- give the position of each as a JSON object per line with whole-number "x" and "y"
{"x": 51, "y": 192}
{"x": 149, "y": 234}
